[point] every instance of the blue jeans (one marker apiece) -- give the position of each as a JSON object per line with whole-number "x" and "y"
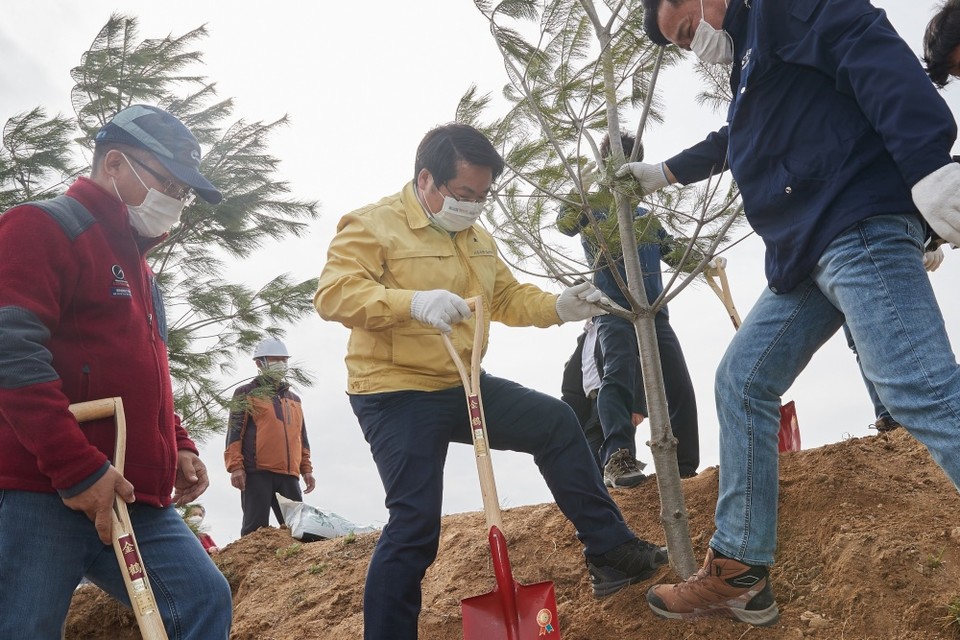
{"x": 875, "y": 264}
{"x": 879, "y": 411}
{"x": 409, "y": 433}
{"x": 46, "y": 549}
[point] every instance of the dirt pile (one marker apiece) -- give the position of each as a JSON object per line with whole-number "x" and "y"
{"x": 869, "y": 549}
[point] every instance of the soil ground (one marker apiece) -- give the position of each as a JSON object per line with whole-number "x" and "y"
{"x": 869, "y": 548}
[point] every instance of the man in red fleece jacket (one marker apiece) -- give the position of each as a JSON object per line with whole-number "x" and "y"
{"x": 81, "y": 318}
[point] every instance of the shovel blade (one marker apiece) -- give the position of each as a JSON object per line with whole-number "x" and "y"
{"x": 511, "y": 611}
{"x": 484, "y": 619}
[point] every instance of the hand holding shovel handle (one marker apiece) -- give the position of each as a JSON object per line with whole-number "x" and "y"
{"x": 478, "y": 425}
{"x": 124, "y": 542}
{"x": 512, "y": 611}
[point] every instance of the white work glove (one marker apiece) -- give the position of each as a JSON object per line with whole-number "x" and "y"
{"x": 579, "y": 302}
{"x": 588, "y": 176}
{"x": 439, "y": 308}
{"x": 717, "y": 262}
{"x": 932, "y": 259}
{"x": 652, "y": 177}
{"x": 937, "y": 196}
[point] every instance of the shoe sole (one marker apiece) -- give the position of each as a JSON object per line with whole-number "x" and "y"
{"x": 613, "y": 484}
{"x": 761, "y": 618}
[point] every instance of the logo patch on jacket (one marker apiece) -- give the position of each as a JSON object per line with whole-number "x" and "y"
{"x": 120, "y": 287}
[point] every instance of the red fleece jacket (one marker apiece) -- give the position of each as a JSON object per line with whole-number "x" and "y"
{"x": 81, "y": 319}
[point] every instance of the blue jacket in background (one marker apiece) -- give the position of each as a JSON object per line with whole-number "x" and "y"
{"x": 833, "y": 120}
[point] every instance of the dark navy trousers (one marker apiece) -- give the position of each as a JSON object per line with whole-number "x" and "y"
{"x": 409, "y": 433}
{"x": 621, "y": 375}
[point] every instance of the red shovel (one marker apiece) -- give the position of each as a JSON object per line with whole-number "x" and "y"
{"x": 511, "y": 611}
{"x": 789, "y": 434}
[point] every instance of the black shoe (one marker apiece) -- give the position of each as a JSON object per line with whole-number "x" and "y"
{"x": 885, "y": 424}
{"x": 631, "y": 562}
{"x": 623, "y": 470}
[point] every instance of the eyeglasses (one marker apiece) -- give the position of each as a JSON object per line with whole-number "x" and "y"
{"x": 168, "y": 186}
{"x": 459, "y": 198}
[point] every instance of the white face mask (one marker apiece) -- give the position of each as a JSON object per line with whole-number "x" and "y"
{"x": 455, "y": 215}
{"x": 278, "y": 368}
{"x": 711, "y": 45}
{"x": 156, "y": 214}
{"x": 194, "y": 520}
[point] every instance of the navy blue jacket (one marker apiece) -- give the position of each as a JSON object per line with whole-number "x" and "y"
{"x": 833, "y": 120}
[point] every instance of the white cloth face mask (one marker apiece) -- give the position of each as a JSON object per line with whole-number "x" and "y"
{"x": 457, "y": 215}
{"x": 156, "y": 214}
{"x": 194, "y": 520}
{"x": 712, "y": 46}
{"x": 279, "y": 368}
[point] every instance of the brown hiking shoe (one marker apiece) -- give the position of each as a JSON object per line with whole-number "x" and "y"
{"x": 623, "y": 470}
{"x": 723, "y": 587}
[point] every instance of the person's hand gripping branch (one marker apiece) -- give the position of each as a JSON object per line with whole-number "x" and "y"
{"x": 581, "y": 301}
{"x": 652, "y": 177}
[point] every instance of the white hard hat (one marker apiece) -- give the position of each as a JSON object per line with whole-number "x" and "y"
{"x": 270, "y": 347}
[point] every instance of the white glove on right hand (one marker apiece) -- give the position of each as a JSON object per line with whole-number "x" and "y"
{"x": 652, "y": 177}
{"x": 937, "y": 196}
{"x": 439, "y": 308}
{"x": 933, "y": 259}
{"x": 579, "y": 302}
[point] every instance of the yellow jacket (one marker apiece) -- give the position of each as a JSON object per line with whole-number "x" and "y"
{"x": 385, "y": 252}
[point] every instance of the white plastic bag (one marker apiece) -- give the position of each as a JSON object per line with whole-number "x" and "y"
{"x": 307, "y": 523}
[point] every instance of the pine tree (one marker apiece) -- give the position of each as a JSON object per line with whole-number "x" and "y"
{"x": 210, "y": 319}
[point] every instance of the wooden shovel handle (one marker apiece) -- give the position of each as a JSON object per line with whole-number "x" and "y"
{"x": 478, "y": 423}
{"x": 723, "y": 292}
{"x": 125, "y": 546}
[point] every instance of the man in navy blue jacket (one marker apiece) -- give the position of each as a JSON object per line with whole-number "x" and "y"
{"x": 841, "y": 148}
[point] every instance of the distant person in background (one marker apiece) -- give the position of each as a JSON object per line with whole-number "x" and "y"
{"x": 267, "y": 447}
{"x": 193, "y": 515}
{"x": 621, "y": 402}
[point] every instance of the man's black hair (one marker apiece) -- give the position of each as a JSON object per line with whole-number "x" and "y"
{"x": 626, "y": 141}
{"x": 650, "y": 10}
{"x": 443, "y": 147}
{"x": 940, "y": 40}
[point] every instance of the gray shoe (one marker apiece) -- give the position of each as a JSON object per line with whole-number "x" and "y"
{"x": 623, "y": 470}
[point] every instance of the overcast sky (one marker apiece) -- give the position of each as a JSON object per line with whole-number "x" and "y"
{"x": 362, "y": 83}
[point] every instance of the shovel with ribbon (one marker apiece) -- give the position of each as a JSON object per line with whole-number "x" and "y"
{"x": 789, "y": 433}
{"x": 512, "y": 611}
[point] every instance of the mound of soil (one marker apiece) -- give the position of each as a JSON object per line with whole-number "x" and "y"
{"x": 869, "y": 548}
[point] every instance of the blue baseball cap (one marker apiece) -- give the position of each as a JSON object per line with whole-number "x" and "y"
{"x": 163, "y": 135}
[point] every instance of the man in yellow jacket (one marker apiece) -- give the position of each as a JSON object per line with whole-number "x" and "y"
{"x": 397, "y": 274}
{"x": 267, "y": 446}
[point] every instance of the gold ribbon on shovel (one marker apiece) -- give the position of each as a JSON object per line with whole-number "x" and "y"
{"x": 124, "y": 541}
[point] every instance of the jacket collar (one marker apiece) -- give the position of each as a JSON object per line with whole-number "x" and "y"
{"x": 109, "y": 211}
{"x": 416, "y": 216}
